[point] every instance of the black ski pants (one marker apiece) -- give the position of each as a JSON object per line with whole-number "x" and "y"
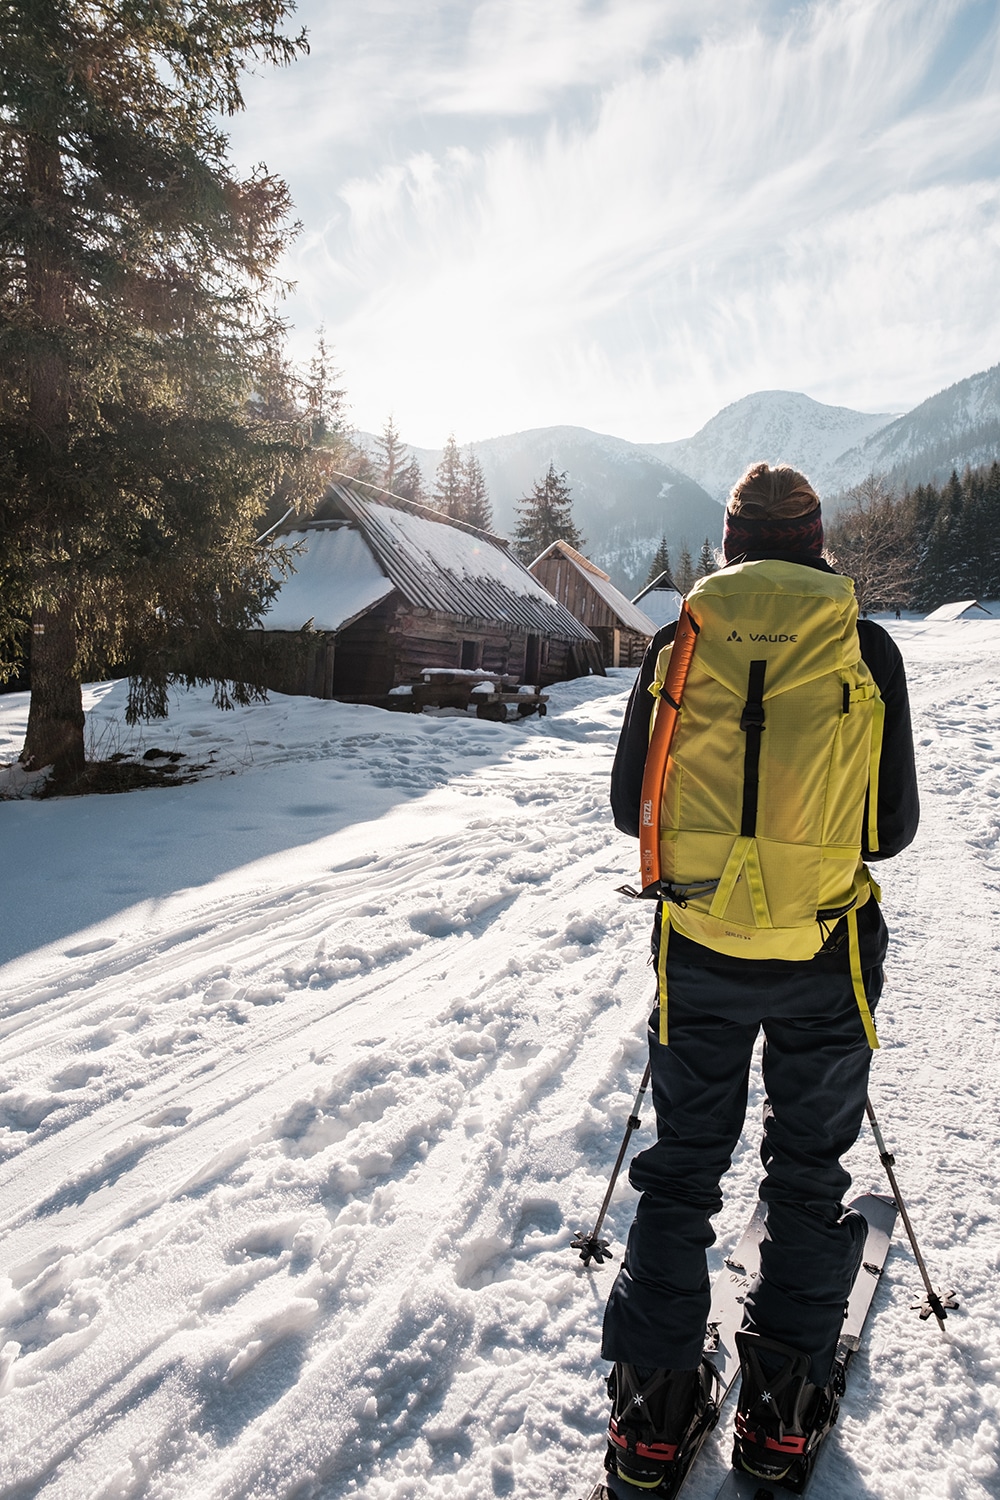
{"x": 815, "y": 1066}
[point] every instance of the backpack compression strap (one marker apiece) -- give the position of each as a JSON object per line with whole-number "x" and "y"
{"x": 658, "y": 753}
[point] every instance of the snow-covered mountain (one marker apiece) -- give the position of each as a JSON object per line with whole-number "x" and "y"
{"x": 629, "y": 495}
{"x": 958, "y": 426}
{"x": 778, "y": 427}
{"x": 624, "y": 498}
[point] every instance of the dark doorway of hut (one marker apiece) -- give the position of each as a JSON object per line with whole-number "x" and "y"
{"x": 532, "y": 658}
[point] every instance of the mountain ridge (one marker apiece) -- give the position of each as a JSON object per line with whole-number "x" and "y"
{"x": 627, "y": 496}
{"x": 778, "y": 427}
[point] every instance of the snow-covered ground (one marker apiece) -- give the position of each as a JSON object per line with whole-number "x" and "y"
{"x": 312, "y": 1068}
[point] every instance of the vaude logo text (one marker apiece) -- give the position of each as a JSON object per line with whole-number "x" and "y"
{"x": 774, "y": 639}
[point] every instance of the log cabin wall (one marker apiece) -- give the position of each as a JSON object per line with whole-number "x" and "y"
{"x": 429, "y": 638}
{"x": 300, "y": 668}
{"x": 633, "y": 648}
{"x": 571, "y": 588}
{"x": 620, "y": 646}
{"x": 393, "y": 643}
{"x": 365, "y": 664}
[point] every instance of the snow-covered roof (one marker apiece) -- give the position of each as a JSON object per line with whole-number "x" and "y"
{"x": 631, "y": 617}
{"x": 662, "y": 606}
{"x": 962, "y": 609}
{"x": 336, "y": 579}
{"x": 660, "y": 600}
{"x": 441, "y": 564}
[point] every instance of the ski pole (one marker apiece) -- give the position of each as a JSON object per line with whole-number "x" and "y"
{"x": 589, "y": 1245}
{"x": 934, "y": 1304}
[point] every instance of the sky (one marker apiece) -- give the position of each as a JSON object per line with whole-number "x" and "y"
{"x": 626, "y": 214}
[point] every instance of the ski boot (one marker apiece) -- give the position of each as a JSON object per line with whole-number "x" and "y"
{"x": 781, "y": 1418}
{"x": 658, "y": 1421}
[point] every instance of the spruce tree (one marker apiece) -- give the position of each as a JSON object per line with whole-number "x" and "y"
{"x": 360, "y": 465}
{"x": 706, "y": 560}
{"x": 920, "y": 509}
{"x": 545, "y": 516}
{"x": 136, "y": 287}
{"x": 660, "y": 563}
{"x": 325, "y": 400}
{"x": 976, "y": 542}
{"x": 951, "y": 516}
{"x": 685, "y": 570}
{"x": 392, "y": 456}
{"x": 991, "y": 532}
{"x": 474, "y": 500}
{"x": 410, "y": 485}
{"x": 316, "y": 404}
{"x": 447, "y": 495}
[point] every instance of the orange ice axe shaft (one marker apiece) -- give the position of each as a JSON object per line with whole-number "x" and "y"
{"x": 658, "y": 753}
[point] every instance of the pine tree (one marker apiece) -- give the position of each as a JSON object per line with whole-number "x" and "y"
{"x": 325, "y": 400}
{"x": 410, "y": 485}
{"x": 952, "y": 518}
{"x": 920, "y": 513}
{"x": 392, "y": 456}
{"x": 684, "y": 576}
{"x": 975, "y": 539}
{"x": 136, "y": 282}
{"x": 991, "y": 532}
{"x": 474, "y": 500}
{"x": 314, "y": 402}
{"x": 447, "y": 495}
{"x": 545, "y": 516}
{"x": 660, "y": 563}
{"x": 706, "y": 560}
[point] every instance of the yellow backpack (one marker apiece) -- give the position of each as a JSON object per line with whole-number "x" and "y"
{"x": 769, "y": 769}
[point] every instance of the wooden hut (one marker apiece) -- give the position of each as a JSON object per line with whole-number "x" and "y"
{"x": 623, "y": 629}
{"x": 661, "y": 600}
{"x": 386, "y": 590}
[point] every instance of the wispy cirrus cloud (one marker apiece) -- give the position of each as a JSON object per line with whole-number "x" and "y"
{"x": 624, "y": 215}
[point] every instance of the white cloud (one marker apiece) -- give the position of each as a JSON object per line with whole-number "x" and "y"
{"x": 805, "y": 201}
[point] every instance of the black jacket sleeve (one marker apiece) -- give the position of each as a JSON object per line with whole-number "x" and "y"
{"x": 630, "y": 757}
{"x": 898, "y": 801}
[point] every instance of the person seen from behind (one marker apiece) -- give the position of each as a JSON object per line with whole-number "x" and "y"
{"x": 790, "y": 770}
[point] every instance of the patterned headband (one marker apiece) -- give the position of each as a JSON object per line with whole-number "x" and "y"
{"x": 780, "y": 534}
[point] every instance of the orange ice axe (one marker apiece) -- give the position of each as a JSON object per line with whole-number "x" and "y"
{"x": 658, "y": 754}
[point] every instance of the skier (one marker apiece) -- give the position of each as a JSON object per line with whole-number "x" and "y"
{"x": 815, "y": 1015}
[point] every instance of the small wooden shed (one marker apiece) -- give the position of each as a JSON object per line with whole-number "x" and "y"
{"x": 623, "y": 629}
{"x": 661, "y": 600}
{"x": 385, "y": 589}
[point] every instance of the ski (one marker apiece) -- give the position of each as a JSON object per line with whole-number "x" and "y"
{"x": 725, "y": 1316}
{"x": 729, "y": 1291}
{"x": 880, "y": 1213}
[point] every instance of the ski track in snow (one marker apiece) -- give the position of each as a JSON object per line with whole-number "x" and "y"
{"x": 323, "y": 1065}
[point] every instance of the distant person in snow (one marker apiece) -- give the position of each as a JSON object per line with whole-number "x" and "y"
{"x": 790, "y": 766}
